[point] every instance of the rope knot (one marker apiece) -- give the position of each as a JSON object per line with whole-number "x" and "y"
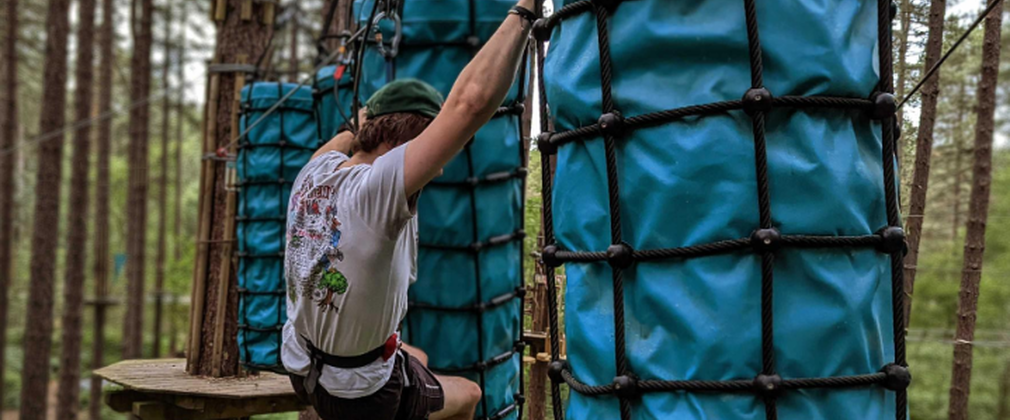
{"x": 545, "y": 145}
{"x": 765, "y": 239}
{"x": 612, "y": 124}
{"x": 767, "y": 385}
{"x": 884, "y": 106}
{"x": 757, "y": 100}
{"x": 626, "y": 386}
{"x": 892, "y": 240}
{"x": 554, "y": 370}
{"x": 549, "y": 256}
{"x": 898, "y": 377}
{"x": 620, "y": 255}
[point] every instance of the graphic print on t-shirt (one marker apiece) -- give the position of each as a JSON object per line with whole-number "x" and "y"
{"x": 327, "y": 282}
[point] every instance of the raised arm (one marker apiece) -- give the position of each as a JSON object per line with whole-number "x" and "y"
{"x": 343, "y": 142}
{"x": 476, "y": 95}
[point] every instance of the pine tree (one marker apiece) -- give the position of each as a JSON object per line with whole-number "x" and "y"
{"x": 924, "y": 148}
{"x": 8, "y": 156}
{"x": 166, "y": 114}
{"x": 978, "y": 213}
{"x": 136, "y": 206}
{"x": 39, "y": 321}
{"x": 68, "y": 401}
{"x": 100, "y": 268}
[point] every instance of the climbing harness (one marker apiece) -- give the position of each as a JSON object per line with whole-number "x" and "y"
{"x": 766, "y": 240}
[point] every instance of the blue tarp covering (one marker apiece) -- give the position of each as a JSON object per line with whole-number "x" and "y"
{"x": 454, "y": 215}
{"x": 266, "y": 170}
{"x": 333, "y": 100}
{"x": 693, "y": 182}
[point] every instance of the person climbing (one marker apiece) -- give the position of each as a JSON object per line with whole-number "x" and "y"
{"x": 352, "y": 243}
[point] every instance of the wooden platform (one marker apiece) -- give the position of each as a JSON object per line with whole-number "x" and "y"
{"x": 162, "y": 390}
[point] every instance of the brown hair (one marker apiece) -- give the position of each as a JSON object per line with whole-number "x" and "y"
{"x": 391, "y": 129}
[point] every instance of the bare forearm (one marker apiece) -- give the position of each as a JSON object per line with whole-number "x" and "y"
{"x": 478, "y": 92}
{"x": 484, "y": 83}
{"x": 341, "y": 143}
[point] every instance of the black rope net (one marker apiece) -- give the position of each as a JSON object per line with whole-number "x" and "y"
{"x": 254, "y": 278}
{"x": 766, "y": 240}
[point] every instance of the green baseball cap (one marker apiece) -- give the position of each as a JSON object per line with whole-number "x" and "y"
{"x": 405, "y": 95}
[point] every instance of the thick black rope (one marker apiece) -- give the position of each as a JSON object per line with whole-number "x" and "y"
{"x": 757, "y": 96}
{"x": 664, "y": 117}
{"x": 613, "y": 188}
{"x": 547, "y": 211}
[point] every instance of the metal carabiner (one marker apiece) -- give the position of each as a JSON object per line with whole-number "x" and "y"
{"x": 394, "y": 49}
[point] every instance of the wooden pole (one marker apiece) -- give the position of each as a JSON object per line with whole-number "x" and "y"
{"x": 199, "y": 289}
{"x": 213, "y": 336}
{"x": 978, "y": 213}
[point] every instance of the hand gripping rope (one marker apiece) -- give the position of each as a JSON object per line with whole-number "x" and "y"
{"x": 393, "y": 10}
{"x": 765, "y": 241}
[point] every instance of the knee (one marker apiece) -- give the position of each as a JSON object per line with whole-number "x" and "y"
{"x": 472, "y": 393}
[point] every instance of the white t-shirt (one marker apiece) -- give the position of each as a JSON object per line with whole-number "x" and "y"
{"x": 351, "y": 255}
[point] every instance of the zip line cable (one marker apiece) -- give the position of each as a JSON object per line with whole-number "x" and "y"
{"x": 86, "y": 123}
{"x": 936, "y": 67}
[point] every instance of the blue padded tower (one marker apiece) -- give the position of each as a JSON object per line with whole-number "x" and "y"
{"x": 269, "y": 159}
{"x": 333, "y": 100}
{"x": 725, "y": 209}
{"x": 466, "y": 307}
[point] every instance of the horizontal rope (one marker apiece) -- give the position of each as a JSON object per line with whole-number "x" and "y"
{"x": 479, "y": 246}
{"x": 477, "y": 307}
{"x": 736, "y": 385}
{"x": 495, "y": 178}
{"x": 503, "y": 413}
{"x": 723, "y": 247}
{"x": 663, "y": 117}
{"x": 479, "y": 366}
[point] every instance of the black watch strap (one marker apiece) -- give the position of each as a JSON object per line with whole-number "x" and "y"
{"x": 524, "y": 13}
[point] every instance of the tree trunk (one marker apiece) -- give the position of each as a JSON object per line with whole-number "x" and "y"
{"x": 68, "y": 396}
{"x": 340, "y": 20}
{"x": 136, "y": 202}
{"x": 958, "y": 154}
{"x": 180, "y": 112}
{"x": 906, "y": 22}
{"x": 243, "y": 36}
{"x": 923, "y": 149}
{"x": 293, "y": 28}
{"x": 978, "y": 213}
{"x": 8, "y": 141}
{"x": 39, "y": 313}
{"x": 166, "y": 114}
{"x": 101, "y": 244}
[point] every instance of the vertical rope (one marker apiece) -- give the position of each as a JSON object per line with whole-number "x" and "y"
{"x": 613, "y": 189}
{"x": 546, "y": 191}
{"x": 891, "y": 196}
{"x": 764, "y": 207}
